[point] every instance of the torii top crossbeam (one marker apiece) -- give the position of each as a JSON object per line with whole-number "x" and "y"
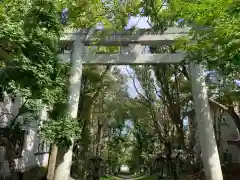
{"x": 137, "y": 38}
{"x": 124, "y": 37}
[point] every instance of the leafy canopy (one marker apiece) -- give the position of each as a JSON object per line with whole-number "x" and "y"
{"x": 29, "y": 39}
{"x": 215, "y": 29}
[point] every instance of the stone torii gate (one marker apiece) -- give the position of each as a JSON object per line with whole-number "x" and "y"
{"x": 131, "y": 42}
{"x": 132, "y": 52}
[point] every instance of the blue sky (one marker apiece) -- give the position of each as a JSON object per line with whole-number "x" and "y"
{"x": 141, "y": 23}
{"x": 138, "y": 22}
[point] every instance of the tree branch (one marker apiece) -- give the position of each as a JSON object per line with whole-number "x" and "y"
{"x": 101, "y": 84}
{"x": 135, "y": 87}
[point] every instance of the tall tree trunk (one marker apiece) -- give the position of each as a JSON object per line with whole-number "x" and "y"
{"x": 52, "y": 162}
{"x": 139, "y": 153}
{"x": 191, "y": 140}
{"x": 100, "y": 125}
{"x": 85, "y": 116}
{"x": 63, "y": 168}
{"x": 99, "y": 138}
{"x": 85, "y": 147}
{"x": 210, "y": 157}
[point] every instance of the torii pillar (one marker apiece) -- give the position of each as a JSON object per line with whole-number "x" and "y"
{"x": 139, "y": 38}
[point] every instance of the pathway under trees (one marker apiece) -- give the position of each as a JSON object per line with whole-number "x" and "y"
{"x": 132, "y": 45}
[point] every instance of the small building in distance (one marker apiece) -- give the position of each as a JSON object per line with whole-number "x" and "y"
{"x": 226, "y": 133}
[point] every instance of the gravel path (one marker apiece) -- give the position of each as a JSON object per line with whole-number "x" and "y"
{"x": 126, "y": 177}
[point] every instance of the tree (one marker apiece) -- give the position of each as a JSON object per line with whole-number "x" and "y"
{"x": 29, "y": 41}
{"x": 216, "y": 23}
{"x": 165, "y": 94}
{"x": 33, "y": 47}
{"x": 90, "y": 94}
{"x": 214, "y": 28}
{"x": 89, "y": 14}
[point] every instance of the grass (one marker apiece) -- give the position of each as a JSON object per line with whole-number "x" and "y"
{"x": 146, "y": 177}
{"x": 109, "y": 177}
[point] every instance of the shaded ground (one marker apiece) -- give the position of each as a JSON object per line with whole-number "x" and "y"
{"x": 230, "y": 172}
{"x": 129, "y": 178}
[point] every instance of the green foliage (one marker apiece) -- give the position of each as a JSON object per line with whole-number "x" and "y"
{"x": 215, "y": 29}
{"x": 29, "y": 44}
{"x": 109, "y": 178}
{"x": 87, "y": 14}
{"x": 29, "y": 36}
{"x": 60, "y": 130}
{"x": 213, "y": 40}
